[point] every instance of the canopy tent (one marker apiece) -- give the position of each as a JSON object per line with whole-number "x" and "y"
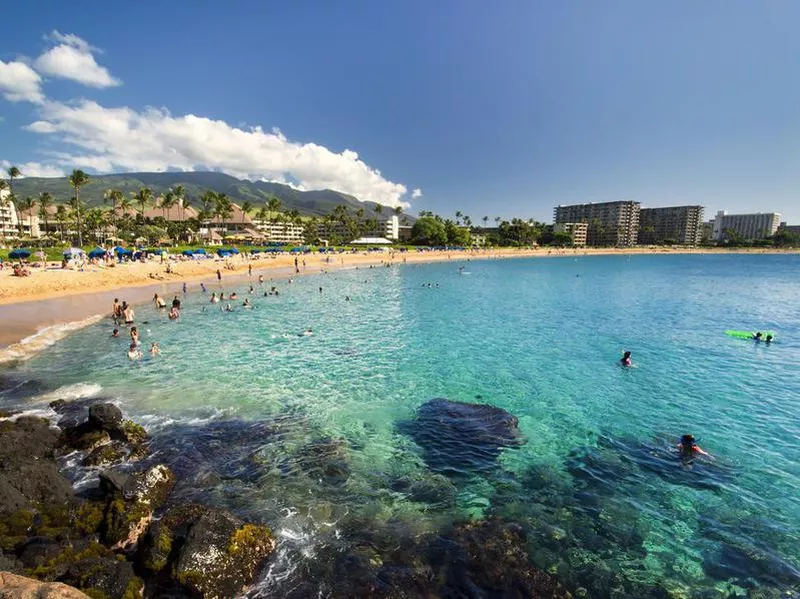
{"x": 97, "y": 253}
{"x": 371, "y": 241}
{"x": 19, "y": 254}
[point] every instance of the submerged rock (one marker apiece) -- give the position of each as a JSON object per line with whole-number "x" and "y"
{"x": 19, "y": 587}
{"x": 458, "y": 437}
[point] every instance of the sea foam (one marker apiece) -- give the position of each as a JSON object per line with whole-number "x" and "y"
{"x": 43, "y": 338}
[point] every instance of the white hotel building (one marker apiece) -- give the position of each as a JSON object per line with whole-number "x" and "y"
{"x": 747, "y": 226}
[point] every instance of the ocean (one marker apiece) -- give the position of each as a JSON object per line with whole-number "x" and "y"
{"x": 315, "y": 434}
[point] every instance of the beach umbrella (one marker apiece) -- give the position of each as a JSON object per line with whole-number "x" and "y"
{"x": 187, "y": 252}
{"x": 97, "y": 253}
{"x": 19, "y": 254}
{"x": 200, "y": 251}
{"x": 71, "y": 252}
{"x": 233, "y": 251}
{"x": 223, "y": 253}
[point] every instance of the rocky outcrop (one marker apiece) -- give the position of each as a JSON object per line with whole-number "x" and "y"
{"x": 13, "y": 586}
{"x": 458, "y": 437}
{"x": 131, "y": 500}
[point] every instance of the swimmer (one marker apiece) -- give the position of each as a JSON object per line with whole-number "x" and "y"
{"x": 159, "y": 301}
{"x": 320, "y": 289}
{"x": 221, "y": 296}
{"x": 154, "y": 349}
{"x": 347, "y": 298}
{"x": 228, "y": 308}
{"x": 307, "y": 333}
{"x": 134, "y": 335}
{"x": 757, "y": 336}
{"x": 115, "y": 333}
{"x": 688, "y": 447}
{"x": 184, "y": 288}
{"x": 768, "y": 340}
{"x": 202, "y": 287}
{"x": 251, "y": 290}
{"x": 133, "y": 352}
{"x": 626, "y": 359}
{"x": 247, "y": 303}
{"x": 174, "y": 313}
{"x": 176, "y": 303}
{"x": 260, "y": 279}
{"x": 233, "y": 296}
{"x": 214, "y": 298}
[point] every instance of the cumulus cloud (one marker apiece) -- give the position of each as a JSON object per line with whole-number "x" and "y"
{"x": 19, "y": 82}
{"x": 73, "y": 58}
{"x": 108, "y": 139}
{"x": 34, "y": 169}
{"x": 417, "y": 193}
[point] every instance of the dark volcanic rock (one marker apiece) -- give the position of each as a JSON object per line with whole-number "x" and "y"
{"x": 105, "y": 416}
{"x": 105, "y": 455}
{"x": 113, "y": 578}
{"x": 221, "y": 555}
{"x": 460, "y": 437}
{"x": 131, "y": 501}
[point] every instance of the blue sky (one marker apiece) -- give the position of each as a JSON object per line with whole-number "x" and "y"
{"x": 500, "y": 109}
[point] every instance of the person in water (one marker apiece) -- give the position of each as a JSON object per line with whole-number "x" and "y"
{"x": 154, "y": 349}
{"x": 159, "y": 301}
{"x": 228, "y": 308}
{"x": 115, "y": 333}
{"x": 129, "y": 315}
{"x": 214, "y": 298}
{"x": 202, "y": 287}
{"x": 174, "y": 313}
{"x": 116, "y": 310}
{"x": 768, "y": 340}
{"x": 247, "y": 303}
{"x": 176, "y": 303}
{"x": 757, "y": 336}
{"x": 134, "y": 336}
{"x": 689, "y": 448}
{"x": 626, "y": 359}
{"x": 133, "y": 352}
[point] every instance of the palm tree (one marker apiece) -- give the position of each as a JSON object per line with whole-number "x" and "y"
{"x": 77, "y": 180}
{"x": 77, "y": 213}
{"x": 246, "y": 208}
{"x": 179, "y": 193}
{"x": 14, "y": 172}
{"x": 45, "y": 202}
{"x": 222, "y": 208}
{"x": 497, "y": 220}
{"x": 458, "y": 217}
{"x": 3, "y": 204}
{"x": 378, "y": 209}
{"x": 61, "y": 219}
{"x": 485, "y": 220}
{"x": 115, "y": 196}
{"x": 167, "y": 201}
{"x": 398, "y": 210}
{"x": 273, "y": 205}
{"x": 143, "y": 197}
{"x": 27, "y": 205}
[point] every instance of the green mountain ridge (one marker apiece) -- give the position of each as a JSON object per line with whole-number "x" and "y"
{"x": 310, "y": 203}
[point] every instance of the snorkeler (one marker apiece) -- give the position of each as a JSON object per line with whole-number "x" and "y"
{"x": 626, "y": 359}
{"x": 688, "y": 447}
{"x": 768, "y": 340}
{"x": 757, "y": 336}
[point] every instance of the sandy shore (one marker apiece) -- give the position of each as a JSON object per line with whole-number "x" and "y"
{"x": 52, "y": 296}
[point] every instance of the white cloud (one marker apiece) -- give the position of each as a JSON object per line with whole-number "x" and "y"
{"x": 72, "y": 59}
{"x": 110, "y": 139}
{"x": 34, "y": 169}
{"x": 417, "y": 193}
{"x": 19, "y": 82}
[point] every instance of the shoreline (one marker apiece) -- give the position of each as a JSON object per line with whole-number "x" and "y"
{"x": 53, "y": 299}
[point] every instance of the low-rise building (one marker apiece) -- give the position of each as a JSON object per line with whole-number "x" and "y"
{"x": 285, "y": 231}
{"x": 672, "y": 224}
{"x": 16, "y": 225}
{"x": 746, "y": 226}
{"x": 578, "y": 232}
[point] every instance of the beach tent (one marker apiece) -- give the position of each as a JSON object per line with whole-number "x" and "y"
{"x": 97, "y": 253}
{"x": 73, "y": 253}
{"x": 19, "y": 254}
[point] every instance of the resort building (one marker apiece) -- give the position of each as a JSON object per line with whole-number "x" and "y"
{"x": 10, "y": 220}
{"x": 280, "y": 231}
{"x": 388, "y": 228}
{"x": 745, "y": 226}
{"x": 673, "y": 224}
{"x": 786, "y": 228}
{"x": 609, "y": 223}
{"x": 578, "y": 232}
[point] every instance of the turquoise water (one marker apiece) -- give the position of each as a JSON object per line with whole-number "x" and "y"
{"x": 244, "y": 407}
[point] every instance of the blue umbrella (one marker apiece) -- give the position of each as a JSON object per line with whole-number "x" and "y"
{"x": 255, "y": 251}
{"x": 234, "y": 251}
{"x": 187, "y": 252}
{"x": 18, "y": 254}
{"x": 223, "y": 253}
{"x": 97, "y": 253}
{"x": 200, "y": 251}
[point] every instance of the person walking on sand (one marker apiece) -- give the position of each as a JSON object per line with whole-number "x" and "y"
{"x": 296, "y": 269}
{"x": 249, "y": 270}
{"x": 219, "y": 276}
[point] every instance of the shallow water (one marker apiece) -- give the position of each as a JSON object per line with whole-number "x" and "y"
{"x": 306, "y": 433}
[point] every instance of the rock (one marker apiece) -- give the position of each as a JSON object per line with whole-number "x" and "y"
{"x": 6, "y": 413}
{"x": 459, "y": 438}
{"x": 27, "y": 437}
{"x": 325, "y": 459}
{"x": 130, "y": 433}
{"x": 105, "y": 416}
{"x": 31, "y": 484}
{"x": 19, "y": 587}
{"x": 105, "y": 577}
{"x": 105, "y": 455}
{"x": 131, "y": 501}
{"x": 221, "y": 555}
{"x": 83, "y": 438}
{"x": 8, "y": 563}
{"x": 488, "y": 558}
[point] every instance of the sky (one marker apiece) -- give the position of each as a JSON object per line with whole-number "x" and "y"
{"x": 502, "y": 108}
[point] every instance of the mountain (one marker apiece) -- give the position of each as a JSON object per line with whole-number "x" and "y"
{"x": 316, "y": 203}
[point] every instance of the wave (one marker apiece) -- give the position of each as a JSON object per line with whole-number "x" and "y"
{"x": 42, "y": 339}
{"x": 70, "y": 392}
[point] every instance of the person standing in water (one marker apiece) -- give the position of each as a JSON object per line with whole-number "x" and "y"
{"x": 116, "y": 310}
{"x": 689, "y": 448}
{"x": 134, "y": 336}
{"x": 159, "y": 301}
{"x": 128, "y": 314}
{"x": 626, "y": 359}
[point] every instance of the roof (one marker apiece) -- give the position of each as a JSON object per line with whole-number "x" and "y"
{"x": 371, "y": 241}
